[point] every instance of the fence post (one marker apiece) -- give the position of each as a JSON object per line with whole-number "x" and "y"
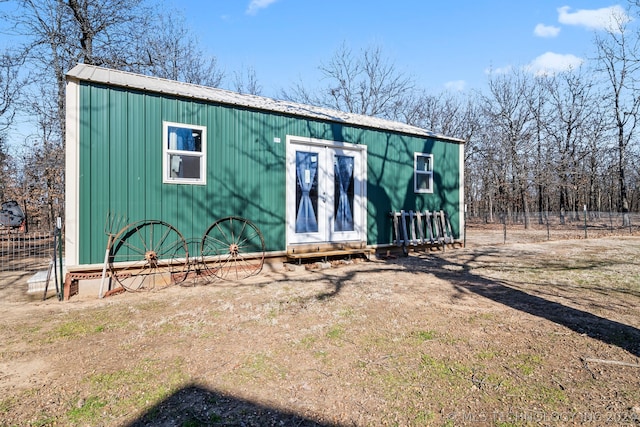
{"x": 611, "y": 220}
{"x": 59, "y": 233}
{"x": 585, "y": 221}
{"x": 546, "y": 218}
{"x": 464, "y": 241}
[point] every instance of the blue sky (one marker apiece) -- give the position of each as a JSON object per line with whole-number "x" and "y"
{"x": 443, "y": 45}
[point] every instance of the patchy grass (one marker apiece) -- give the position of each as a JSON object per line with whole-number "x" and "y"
{"x": 424, "y": 335}
{"x": 117, "y": 392}
{"x": 336, "y": 332}
{"x": 528, "y": 363}
{"x": 88, "y": 411}
{"x": 74, "y": 327}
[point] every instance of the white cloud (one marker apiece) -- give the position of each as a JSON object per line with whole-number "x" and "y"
{"x": 551, "y": 63}
{"x": 542, "y": 30}
{"x": 605, "y": 18}
{"x": 256, "y": 5}
{"x": 456, "y": 85}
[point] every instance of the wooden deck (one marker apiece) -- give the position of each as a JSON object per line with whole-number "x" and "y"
{"x": 300, "y": 252}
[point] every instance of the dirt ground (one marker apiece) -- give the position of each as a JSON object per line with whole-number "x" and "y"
{"x": 496, "y": 334}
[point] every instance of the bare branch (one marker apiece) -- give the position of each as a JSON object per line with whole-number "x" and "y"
{"x": 365, "y": 84}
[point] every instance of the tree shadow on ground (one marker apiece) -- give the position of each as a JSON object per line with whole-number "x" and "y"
{"x": 465, "y": 281}
{"x": 196, "y": 405}
{"x": 582, "y": 322}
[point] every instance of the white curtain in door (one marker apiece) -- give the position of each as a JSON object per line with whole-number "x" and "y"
{"x": 344, "y": 172}
{"x": 306, "y": 173}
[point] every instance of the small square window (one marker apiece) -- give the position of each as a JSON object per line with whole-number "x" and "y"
{"x": 184, "y": 153}
{"x": 423, "y": 173}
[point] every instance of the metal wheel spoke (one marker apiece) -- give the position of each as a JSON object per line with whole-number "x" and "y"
{"x": 235, "y": 247}
{"x": 147, "y": 255}
{"x": 164, "y": 237}
{"x": 244, "y": 265}
{"x": 248, "y": 239}
{"x": 168, "y": 249}
{"x": 221, "y": 231}
{"x": 216, "y": 243}
{"x": 142, "y": 241}
{"x": 133, "y": 248}
{"x": 232, "y": 237}
{"x": 244, "y": 226}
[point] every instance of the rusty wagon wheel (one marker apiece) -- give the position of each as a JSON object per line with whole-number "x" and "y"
{"x": 233, "y": 248}
{"x": 147, "y": 255}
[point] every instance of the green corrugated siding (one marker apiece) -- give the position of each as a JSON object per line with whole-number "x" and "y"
{"x": 121, "y": 167}
{"x": 390, "y": 181}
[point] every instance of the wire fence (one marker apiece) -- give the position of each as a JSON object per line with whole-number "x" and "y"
{"x": 541, "y": 226}
{"x": 25, "y": 265}
{"x": 28, "y": 252}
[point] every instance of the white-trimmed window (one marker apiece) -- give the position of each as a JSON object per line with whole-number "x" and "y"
{"x": 423, "y": 173}
{"x": 184, "y": 153}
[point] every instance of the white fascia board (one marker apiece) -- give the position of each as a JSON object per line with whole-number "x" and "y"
{"x": 72, "y": 182}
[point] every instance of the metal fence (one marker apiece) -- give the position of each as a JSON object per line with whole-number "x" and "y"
{"x": 541, "y": 226}
{"x": 28, "y": 252}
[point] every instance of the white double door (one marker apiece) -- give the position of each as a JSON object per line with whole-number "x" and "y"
{"x": 326, "y": 191}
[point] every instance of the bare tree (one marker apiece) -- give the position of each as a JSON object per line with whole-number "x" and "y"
{"x": 54, "y": 35}
{"x": 4, "y": 168}
{"x": 618, "y": 60}
{"x": 57, "y": 34}
{"x": 102, "y": 32}
{"x": 541, "y": 169}
{"x": 447, "y": 113}
{"x": 246, "y": 81}
{"x": 366, "y": 84}
{"x": 169, "y": 50}
{"x": 567, "y": 121}
{"x": 11, "y": 85}
{"x": 508, "y": 111}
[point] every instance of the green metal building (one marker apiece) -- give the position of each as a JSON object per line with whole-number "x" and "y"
{"x": 144, "y": 148}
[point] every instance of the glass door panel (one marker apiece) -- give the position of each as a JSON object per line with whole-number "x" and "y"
{"x": 306, "y": 192}
{"x": 343, "y": 193}
{"x": 325, "y": 193}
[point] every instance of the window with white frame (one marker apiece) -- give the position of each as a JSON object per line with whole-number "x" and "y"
{"x": 423, "y": 173}
{"x": 184, "y": 153}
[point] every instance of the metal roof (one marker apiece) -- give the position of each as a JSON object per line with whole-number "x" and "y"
{"x": 91, "y": 73}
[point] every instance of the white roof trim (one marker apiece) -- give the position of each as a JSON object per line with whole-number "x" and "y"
{"x": 153, "y": 84}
